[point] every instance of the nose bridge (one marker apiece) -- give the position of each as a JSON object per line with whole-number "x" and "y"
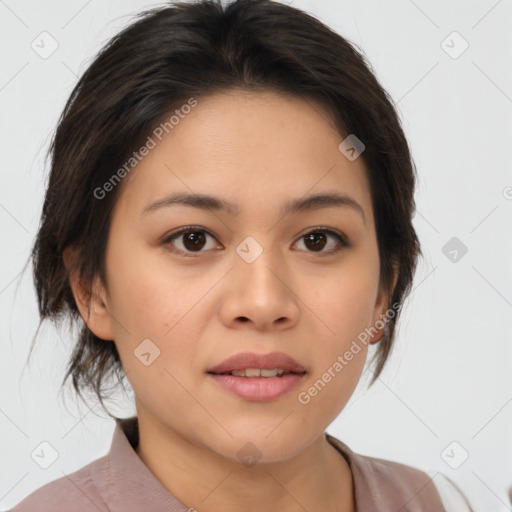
{"x": 263, "y": 284}
{"x": 258, "y": 265}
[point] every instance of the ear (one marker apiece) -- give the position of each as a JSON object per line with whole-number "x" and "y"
{"x": 381, "y": 306}
{"x": 92, "y": 303}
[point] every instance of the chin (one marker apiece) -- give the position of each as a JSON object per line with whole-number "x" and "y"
{"x": 262, "y": 447}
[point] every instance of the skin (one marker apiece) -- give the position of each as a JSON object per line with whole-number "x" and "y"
{"x": 255, "y": 150}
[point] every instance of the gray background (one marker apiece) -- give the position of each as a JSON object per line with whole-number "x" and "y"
{"x": 449, "y": 379}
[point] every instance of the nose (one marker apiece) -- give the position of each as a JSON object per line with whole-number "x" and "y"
{"x": 260, "y": 294}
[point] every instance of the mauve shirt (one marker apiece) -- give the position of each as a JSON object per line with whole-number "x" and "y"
{"x": 121, "y": 482}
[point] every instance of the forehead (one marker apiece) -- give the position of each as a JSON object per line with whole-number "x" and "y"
{"x": 250, "y": 149}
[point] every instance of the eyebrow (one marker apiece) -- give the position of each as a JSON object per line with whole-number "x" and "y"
{"x": 303, "y": 204}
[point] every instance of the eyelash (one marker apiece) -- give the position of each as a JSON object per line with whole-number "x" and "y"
{"x": 320, "y": 229}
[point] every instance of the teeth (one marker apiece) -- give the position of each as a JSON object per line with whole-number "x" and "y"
{"x": 257, "y": 372}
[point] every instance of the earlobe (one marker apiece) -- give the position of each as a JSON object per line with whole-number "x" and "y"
{"x": 380, "y": 320}
{"x": 92, "y": 303}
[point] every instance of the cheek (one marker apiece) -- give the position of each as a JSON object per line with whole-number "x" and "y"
{"x": 339, "y": 355}
{"x": 148, "y": 297}
{"x": 345, "y": 304}
{"x": 153, "y": 299}
{"x": 153, "y": 313}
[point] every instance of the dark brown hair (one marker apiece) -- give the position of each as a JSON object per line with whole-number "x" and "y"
{"x": 154, "y": 66}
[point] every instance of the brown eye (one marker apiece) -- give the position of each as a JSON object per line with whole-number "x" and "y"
{"x": 317, "y": 240}
{"x": 193, "y": 240}
{"x": 189, "y": 240}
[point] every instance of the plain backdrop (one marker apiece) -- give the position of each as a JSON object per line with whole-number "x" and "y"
{"x": 445, "y": 399}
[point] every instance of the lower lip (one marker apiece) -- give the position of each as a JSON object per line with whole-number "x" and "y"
{"x": 259, "y": 389}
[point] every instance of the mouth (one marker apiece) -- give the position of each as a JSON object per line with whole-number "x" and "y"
{"x": 257, "y": 377}
{"x": 251, "y": 373}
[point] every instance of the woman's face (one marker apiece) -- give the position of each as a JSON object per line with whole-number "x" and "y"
{"x": 243, "y": 280}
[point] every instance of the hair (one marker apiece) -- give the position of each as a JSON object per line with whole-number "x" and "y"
{"x": 155, "y": 65}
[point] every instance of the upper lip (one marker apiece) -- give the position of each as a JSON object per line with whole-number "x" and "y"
{"x": 245, "y": 360}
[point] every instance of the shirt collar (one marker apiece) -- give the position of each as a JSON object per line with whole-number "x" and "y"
{"x": 386, "y": 485}
{"x": 132, "y": 486}
{"x": 130, "y": 483}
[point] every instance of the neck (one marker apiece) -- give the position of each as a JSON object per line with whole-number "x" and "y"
{"x": 319, "y": 478}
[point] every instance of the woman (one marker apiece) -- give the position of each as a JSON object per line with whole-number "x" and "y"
{"x": 229, "y": 213}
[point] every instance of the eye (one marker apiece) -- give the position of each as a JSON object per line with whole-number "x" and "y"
{"x": 317, "y": 239}
{"x": 193, "y": 240}
{"x": 190, "y": 238}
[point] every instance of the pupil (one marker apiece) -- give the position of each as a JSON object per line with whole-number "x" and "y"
{"x": 313, "y": 237}
{"x": 194, "y": 239}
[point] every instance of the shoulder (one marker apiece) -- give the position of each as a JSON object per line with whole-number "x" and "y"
{"x": 410, "y": 479}
{"x": 78, "y": 491}
{"x": 391, "y": 485}
{"x": 451, "y": 496}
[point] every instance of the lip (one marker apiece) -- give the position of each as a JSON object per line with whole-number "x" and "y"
{"x": 269, "y": 361}
{"x": 258, "y": 389}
